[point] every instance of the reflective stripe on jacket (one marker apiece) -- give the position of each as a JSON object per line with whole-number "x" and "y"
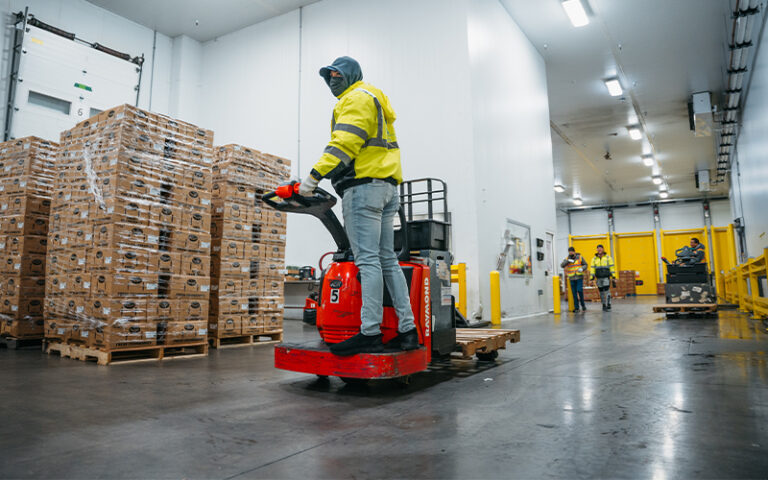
{"x": 363, "y": 143}
{"x": 574, "y": 268}
{"x": 604, "y": 261}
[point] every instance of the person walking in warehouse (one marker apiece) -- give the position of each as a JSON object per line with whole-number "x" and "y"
{"x": 603, "y": 270}
{"x": 574, "y": 266}
{"x": 362, "y": 160}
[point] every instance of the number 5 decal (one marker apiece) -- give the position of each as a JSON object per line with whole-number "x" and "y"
{"x": 334, "y": 295}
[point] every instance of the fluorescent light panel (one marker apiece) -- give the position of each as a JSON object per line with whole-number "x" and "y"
{"x": 578, "y": 201}
{"x": 576, "y": 13}
{"x": 614, "y": 86}
{"x": 559, "y": 188}
{"x": 648, "y": 160}
{"x": 635, "y": 133}
{"x": 657, "y": 180}
{"x": 663, "y": 194}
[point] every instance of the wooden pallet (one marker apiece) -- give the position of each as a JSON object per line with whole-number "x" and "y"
{"x": 686, "y": 308}
{"x": 246, "y": 340}
{"x": 14, "y": 343}
{"x": 152, "y": 353}
{"x": 470, "y": 341}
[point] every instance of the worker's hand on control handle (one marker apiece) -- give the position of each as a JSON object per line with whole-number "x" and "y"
{"x": 308, "y": 186}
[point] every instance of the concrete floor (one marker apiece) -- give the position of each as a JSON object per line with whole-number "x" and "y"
{"x": 621, "y": 395}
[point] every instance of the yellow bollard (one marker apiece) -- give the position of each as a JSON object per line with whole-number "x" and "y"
{"x": 463, "y": 289}
{"x": 569, "y": 294}
{"x": 495, "y": 298}
{"x": 556, "y": 294}
{"x": 459, "y": 275}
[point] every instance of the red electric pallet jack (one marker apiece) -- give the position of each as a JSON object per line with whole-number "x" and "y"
{"x": 427, "y": 271}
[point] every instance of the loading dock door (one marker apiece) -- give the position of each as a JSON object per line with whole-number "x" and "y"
{"x": 637, "y": 251}
{"x": 586, "y": 245}
{"x": 723, "y": 253}
{"x": 671, "y": 240}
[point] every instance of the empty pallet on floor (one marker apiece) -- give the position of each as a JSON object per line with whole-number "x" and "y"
{"x": 245, "y": 340}
{"x": 131, "y": 355}
{"x": 481, "y": 340}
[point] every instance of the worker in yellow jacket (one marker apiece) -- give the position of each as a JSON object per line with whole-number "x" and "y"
{"x": 362, "y": 160}
{"x": 602, "y": 270}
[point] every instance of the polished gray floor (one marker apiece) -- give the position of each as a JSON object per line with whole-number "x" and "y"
{"x": 620, "y": 395}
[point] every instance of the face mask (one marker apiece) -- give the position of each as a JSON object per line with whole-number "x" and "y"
{"x": 338, "y": 85}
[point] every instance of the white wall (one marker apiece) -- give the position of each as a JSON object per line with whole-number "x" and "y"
{"x": 512, "y": 149}
{"x": 589, "y": 222}
{"x": 255, "y": 95}
{"x": 633, "y": 219}
{"x": 750, "y": 194}
{"x": 95, "y": 24}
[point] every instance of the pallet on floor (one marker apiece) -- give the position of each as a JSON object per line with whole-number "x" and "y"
{"x": 246, "y": 340}
{"x": 15, "y": 343}
{"x": 686, "y": 308}
{"x": 484, "y": 340}
{"x": 152, "y": 353}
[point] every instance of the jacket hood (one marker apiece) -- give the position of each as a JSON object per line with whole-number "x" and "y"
{"x": 347, "y": 67}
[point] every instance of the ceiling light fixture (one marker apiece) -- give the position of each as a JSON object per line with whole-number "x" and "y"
{"x": 614, "y": 86}
{"x": 634, "y": 132}
{"x": 663, "y": 194}
{"x": 576, "y": 13}
{"x": 559, "y": 188}
{"x": 578, "y": 201}
{"x": 657, "y": 180}
{"x": 648, "y": 160}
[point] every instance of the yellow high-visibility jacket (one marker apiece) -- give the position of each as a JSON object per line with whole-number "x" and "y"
{"x": 574, "y": 266}
{"x": 363, "y": 142}
{"x": 604, "y": 261}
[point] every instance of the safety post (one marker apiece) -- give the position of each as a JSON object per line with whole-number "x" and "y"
{"x": 556, "y": 293}
{"x": 495, "y": 298}
{"x": 459, "y": 275}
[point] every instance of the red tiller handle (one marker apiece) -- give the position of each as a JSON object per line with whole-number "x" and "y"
{"x": 287, "y": 191}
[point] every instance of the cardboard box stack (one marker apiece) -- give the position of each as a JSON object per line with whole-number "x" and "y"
{"x": 626, "y": 283}
{"x": 26, "y": 175}
{"x": 660, "y": 289}
{"x": 248, "y": 259}
{"x": 129, "y": 243}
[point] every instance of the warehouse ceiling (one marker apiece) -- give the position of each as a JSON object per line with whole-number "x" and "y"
{"x": 663, "y": 51}
{"x": 202, "y": 20}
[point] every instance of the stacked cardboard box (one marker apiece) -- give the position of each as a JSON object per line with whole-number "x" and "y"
{"x": 26, "y": 175}
{"x": 248, "y": 259}
{"x": 660, "y": 289}
{"x": 129, "y": 243}
{"x": 626, "y": 283}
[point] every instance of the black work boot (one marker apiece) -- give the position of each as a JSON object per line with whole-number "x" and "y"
{"x": 405, "y": 341}
{"x": 358, "y": 344}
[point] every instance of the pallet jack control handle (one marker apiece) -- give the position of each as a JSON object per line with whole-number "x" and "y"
{"x": 286, "y": 198}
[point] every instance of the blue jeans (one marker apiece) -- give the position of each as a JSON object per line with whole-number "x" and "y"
{"x": 577, "y": 287}
{"x": 369, "y": 211}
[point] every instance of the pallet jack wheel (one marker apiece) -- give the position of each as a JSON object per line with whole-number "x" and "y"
{"x": 488, "y": 356}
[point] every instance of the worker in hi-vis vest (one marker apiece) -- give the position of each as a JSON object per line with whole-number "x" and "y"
{"x": 575, "y": 266}
{"x": 362, "y": 160}
{"x": 603, "y": 270}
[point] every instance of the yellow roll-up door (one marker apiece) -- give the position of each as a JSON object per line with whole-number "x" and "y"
{"x": 724, "y": 255}
{"x": 586, "y": 245}
{"x": 671, "y": 240}
{"x": 637, "y": 251}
